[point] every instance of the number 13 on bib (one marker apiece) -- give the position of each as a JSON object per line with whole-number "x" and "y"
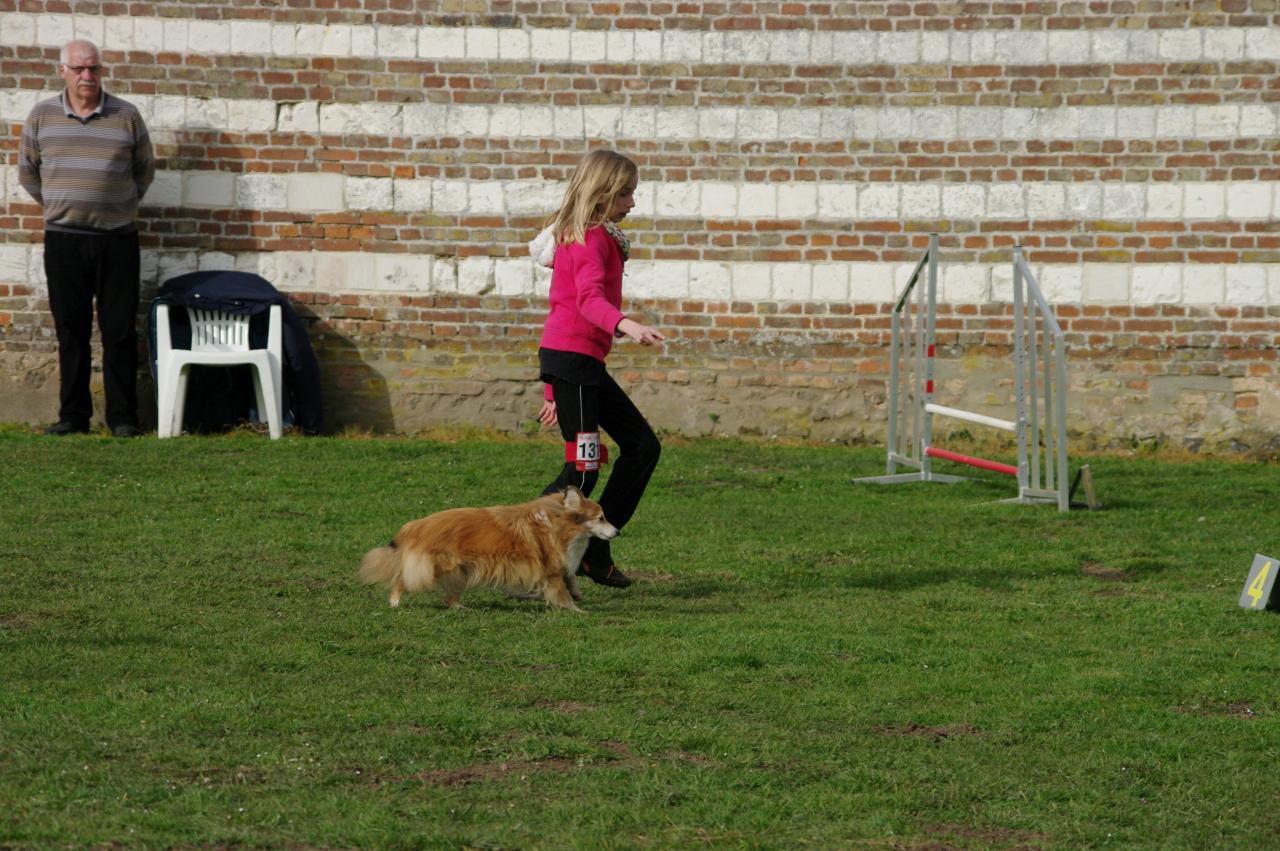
{"x": 587, "y": 452}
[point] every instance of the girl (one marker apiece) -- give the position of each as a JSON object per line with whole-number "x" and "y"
{"x": 584, "y": 318}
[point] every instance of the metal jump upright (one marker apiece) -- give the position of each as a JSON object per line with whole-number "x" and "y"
{"x": 1040, "y": 378}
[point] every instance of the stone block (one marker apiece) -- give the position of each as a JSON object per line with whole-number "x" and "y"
{"x": 587, "y": 46}
{"x": 1217, "y": 122}
{"x": 964, "y": 201}
{"x": 310, "y": 192}
{"x": 757, "y": 124}
{"x": 797, "y": 200}
{"x": 411, "y": 196}
{"x": 791, "y": 281}
{"x": 757, "y": 200}
{"x": 964, "y": 282}
{"x": 1106, "y": 282}
{"x": 719, "y": 200}
{"x": 298, "y": 117}
{"x": 393, "y": 42}
{"x": 682, "y": 46}
{"x": 677, "y": 199}
{"x": 751, "y": 281}
{"x": 210, "y": 37}
{"x": 1249, "y": 200}
{"x": 513, "y": 276}
{"x": 165, "y": 190}
{"x": 1203, "y": 200}
{"x": 1203, "y": 283}
{"x": 475, "y": 275}
{"x": 208, "y": 189}
{"x": 485, "y": 198}
{"x": 1156, "y": 283}
{"x": 1246, "y": 284}
{"x": 603, "y": 122}
{"x": 710, "y": 281}
{"x": 838, "y": 201}
{"x": 670, "y": 279}
{"x": 54, "y": 30}
{"x": 878, "y": 201}
{"x": 1061, "y": 283}
{"x": 873, "y": 282}
{"x": 17, "y": 30}
{"x": 369, "y": 193}
{"x": 14, "y": 263}
{"x": 446, "y": 42}
{"x": 1164, "y": 201}
{"x": 831, "y": 282}
{"x": 407, "y": 273}
{"x": 1046, "y": 200}
{"x": 251, "y": 116}
{"x": 718, "y": 123}
{"x": 1224, "y": 45}
{"x": 620, "y": 46}
{"x": 921, "y": 201}
{"x": 448, "y": 196}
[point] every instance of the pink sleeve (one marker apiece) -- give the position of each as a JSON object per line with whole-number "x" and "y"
{"x": 547, "y": 395}
{"x": 590, "y": 271}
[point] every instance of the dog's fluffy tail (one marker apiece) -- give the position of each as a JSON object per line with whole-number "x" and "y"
{"x": 381, "y": 566}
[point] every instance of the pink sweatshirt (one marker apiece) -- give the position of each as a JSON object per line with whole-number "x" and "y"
{"x": 586, "y": 296}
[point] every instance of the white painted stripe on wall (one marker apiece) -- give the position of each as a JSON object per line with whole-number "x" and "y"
{"x": 1020, "y": 47}
{"x": 715, "y": 124}
{"x": 1244, "y": 284}
{"x": 822, "y": 201}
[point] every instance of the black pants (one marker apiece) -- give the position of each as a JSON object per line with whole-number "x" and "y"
{"x": 607, "y": 407}
{"x": 80, "y": 268}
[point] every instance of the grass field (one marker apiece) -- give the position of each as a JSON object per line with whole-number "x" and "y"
{"x": 187, "y": 659}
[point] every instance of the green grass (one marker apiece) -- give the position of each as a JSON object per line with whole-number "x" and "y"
{"x": 187, "y": 659}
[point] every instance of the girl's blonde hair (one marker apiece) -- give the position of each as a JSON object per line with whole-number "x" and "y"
{"x": 599, "y": 179}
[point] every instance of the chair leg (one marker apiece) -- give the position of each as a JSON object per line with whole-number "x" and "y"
{"x": 179, "y": 396}
{"x": 268, "y": 399}
{"x": 165, "y": 389}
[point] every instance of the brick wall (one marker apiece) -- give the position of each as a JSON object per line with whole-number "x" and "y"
{"x": 384, "y": 163}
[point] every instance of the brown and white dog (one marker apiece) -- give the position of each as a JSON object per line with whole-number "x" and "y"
{"x": 534, "y": 547}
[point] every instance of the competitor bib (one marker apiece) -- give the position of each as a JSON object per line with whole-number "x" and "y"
{"x": 586, "y": 452}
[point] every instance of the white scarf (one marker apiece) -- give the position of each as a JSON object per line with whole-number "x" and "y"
{"x": 543, "y": 246}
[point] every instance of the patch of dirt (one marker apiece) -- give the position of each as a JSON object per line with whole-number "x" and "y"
{"x": 18, "y": 620}
{"x": 618, "y": 752}
{"x": 988, "y": 837}
{"x": 568, "y": 707}
{"x": 490, "y": 771}
{"x": 1104, "y": 573}
{"x": 1235, "y": 709}
{"x": 651, "y": 575}
{"x": 938, "y": 734}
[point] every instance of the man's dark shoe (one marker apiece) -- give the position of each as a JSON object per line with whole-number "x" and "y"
{"x": 67, "y": 427}
{"x": 126, "y": 430}
{"x": 610, "y": 575}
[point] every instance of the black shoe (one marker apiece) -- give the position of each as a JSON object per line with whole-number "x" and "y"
{"x": 126, "y": 430}
{"x": 610, "y": 576}
{"x": 67, "y": 427}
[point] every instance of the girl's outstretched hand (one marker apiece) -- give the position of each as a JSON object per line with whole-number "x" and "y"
{"x": 642, "y": 334}
{"x": 547, "y": 416}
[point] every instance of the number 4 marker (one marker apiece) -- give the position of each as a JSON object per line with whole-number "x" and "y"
{"x": 1257, "y": 588}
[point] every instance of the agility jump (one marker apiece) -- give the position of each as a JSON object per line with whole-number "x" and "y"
{"x": 1040, "y": 378}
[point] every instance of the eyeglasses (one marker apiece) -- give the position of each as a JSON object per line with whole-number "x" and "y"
{"x": 94, "y": 70}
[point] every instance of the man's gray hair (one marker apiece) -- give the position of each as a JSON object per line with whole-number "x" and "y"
{"x": 65, "y": 57}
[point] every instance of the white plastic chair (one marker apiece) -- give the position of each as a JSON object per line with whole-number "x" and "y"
{"x": 217, "y": 339}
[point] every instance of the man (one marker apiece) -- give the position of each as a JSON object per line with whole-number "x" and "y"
{"x": 85, "y": 156}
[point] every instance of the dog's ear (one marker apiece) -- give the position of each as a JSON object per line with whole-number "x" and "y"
{"x": 572, "y": 498}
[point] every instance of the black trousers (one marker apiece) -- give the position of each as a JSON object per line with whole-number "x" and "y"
{"x": 82, "y": 268}
{"x": 587, "y": 408}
